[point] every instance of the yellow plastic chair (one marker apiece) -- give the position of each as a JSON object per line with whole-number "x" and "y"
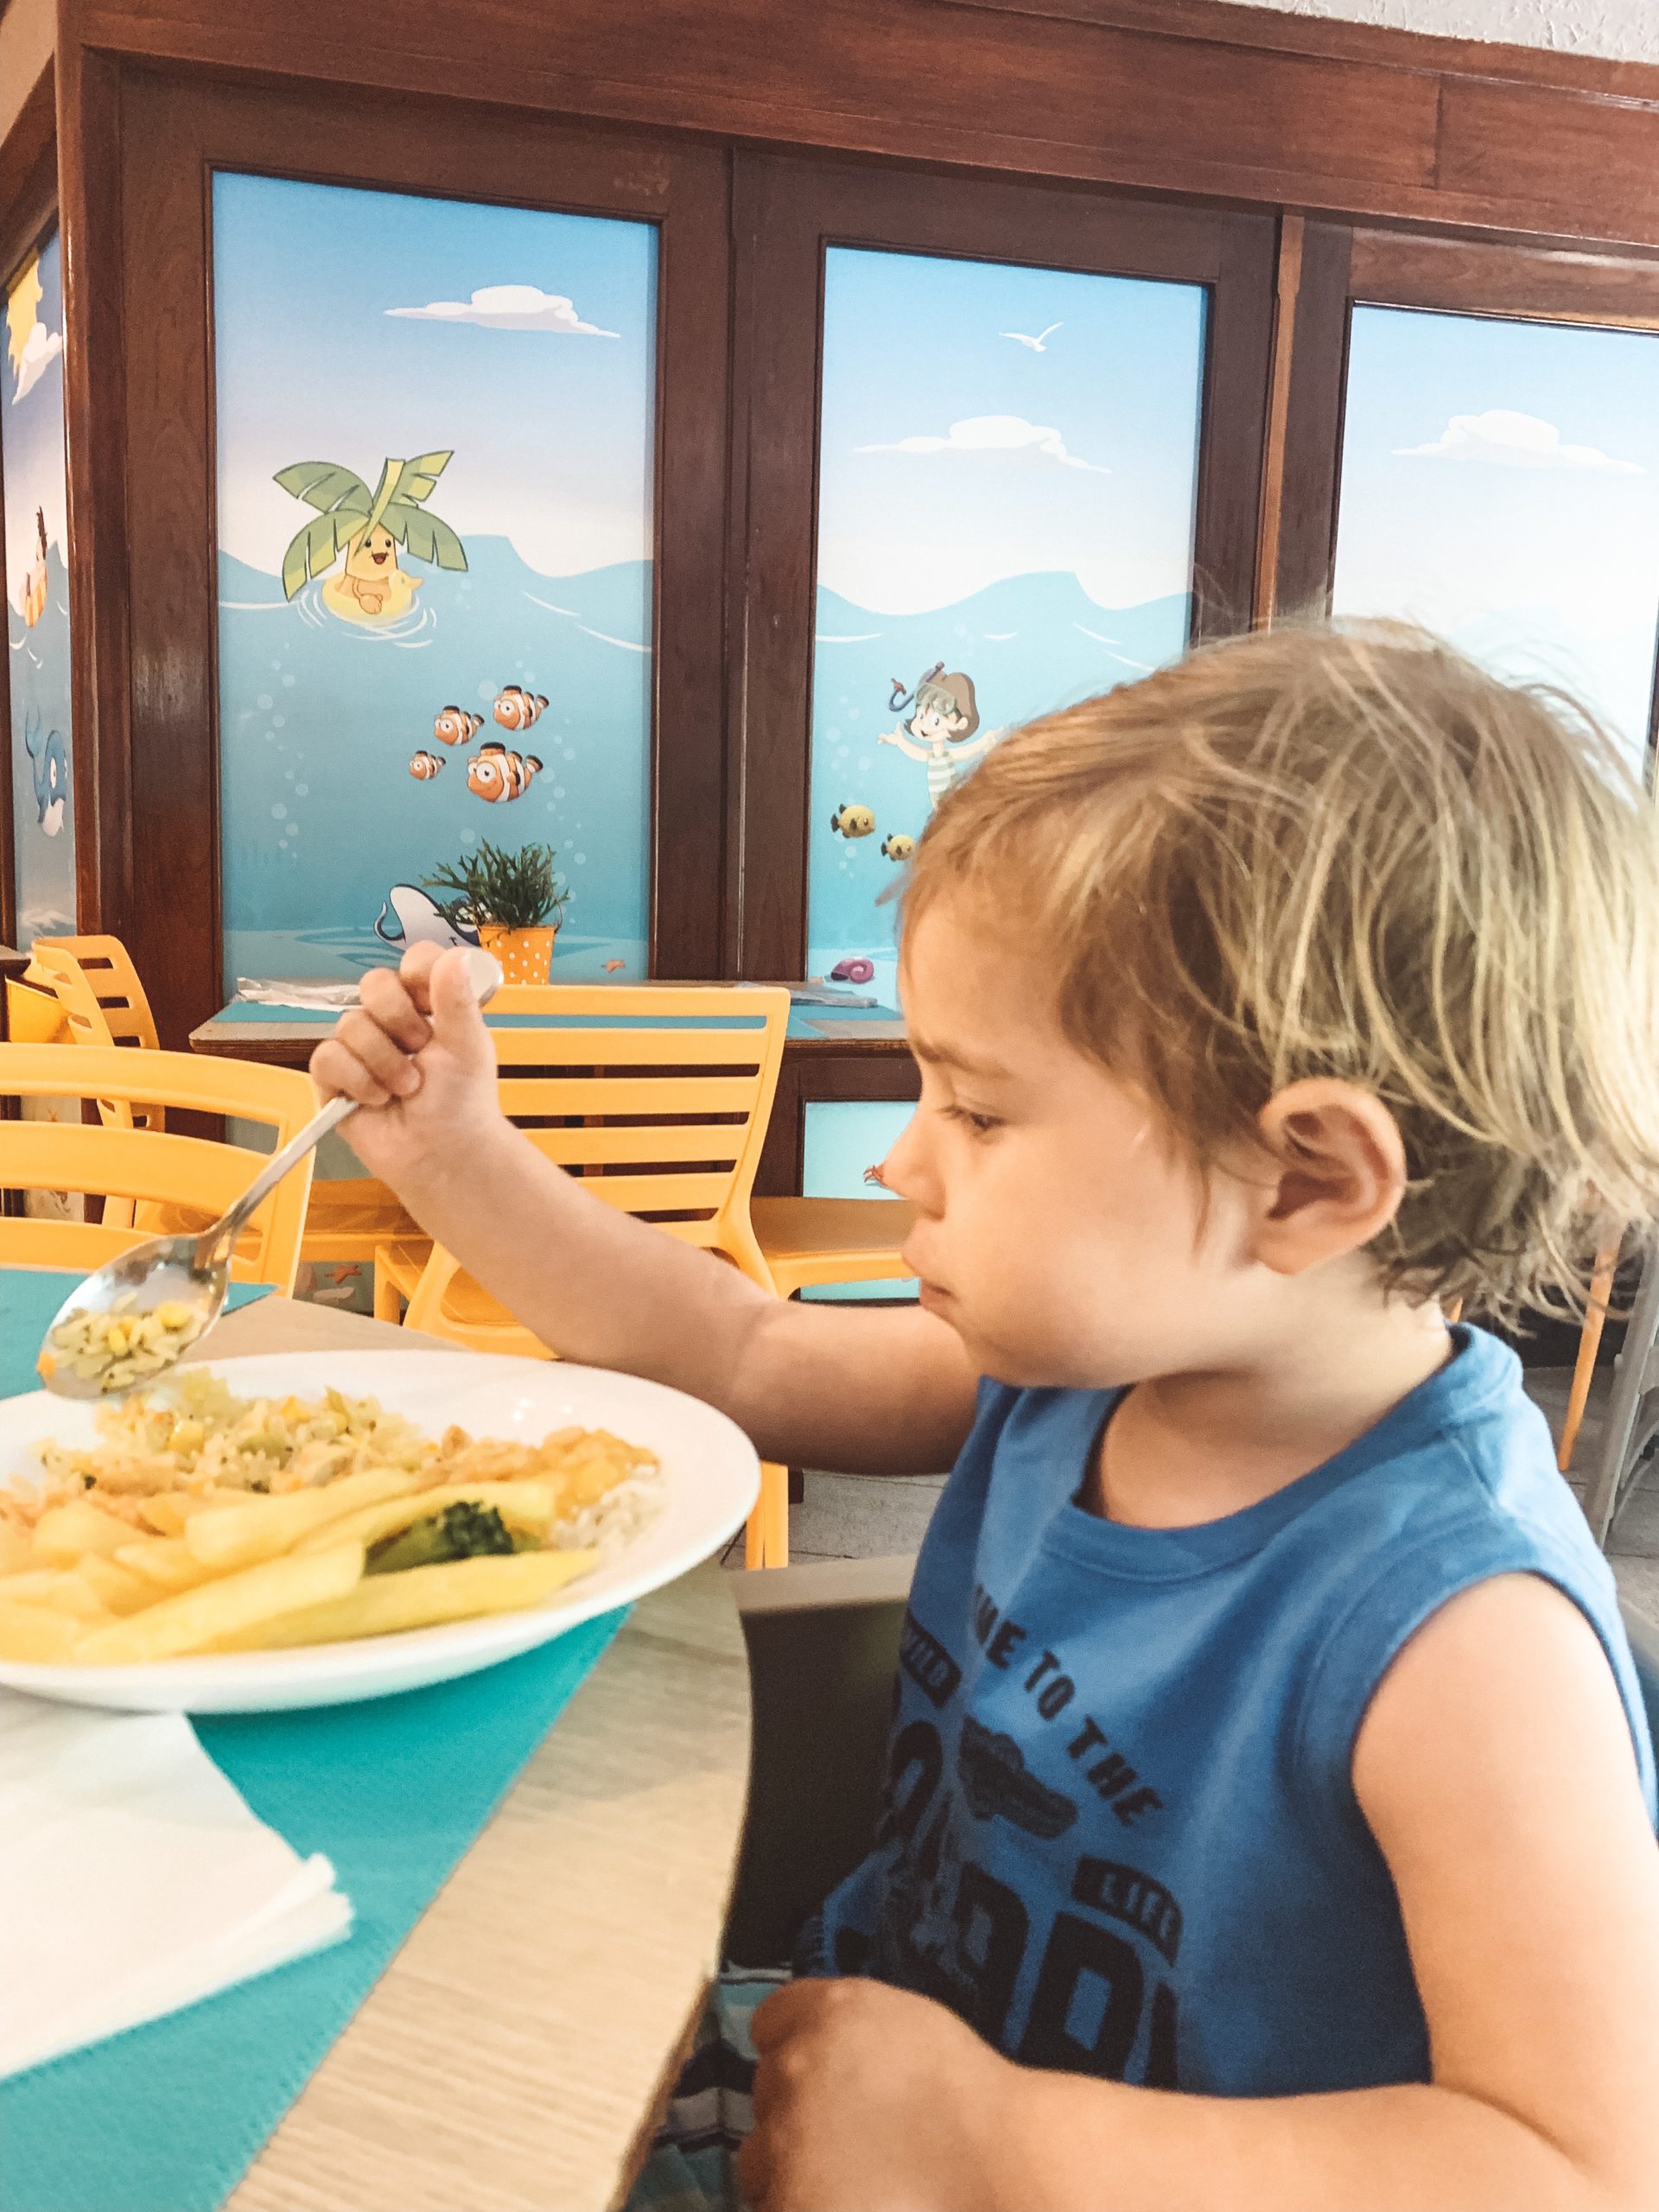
{"x": 104, "y": 1003}
{"x": 664, "y": 1124}
{"x": 102, "y": 967}
{"x": 149, "y": 1166}
{"x": 33, "y": 1015}
{"x": 1584, "y": 1369}
{"x": 807, "y": 1241}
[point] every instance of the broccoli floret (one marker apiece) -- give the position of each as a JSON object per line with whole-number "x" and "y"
{"x": 461, "y": 1531}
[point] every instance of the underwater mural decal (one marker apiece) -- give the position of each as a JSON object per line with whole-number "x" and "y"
{"x": 367, "y": 529}
{"x": 1005, "y": 514}
{"x": 453, "y": 645}
{"x": 37, "y": 599}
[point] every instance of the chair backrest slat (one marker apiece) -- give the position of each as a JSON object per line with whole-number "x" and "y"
{"x": 601, "y": 1097}
{"x": 676, "y": 1081}
{"x": 150, "y": 1165}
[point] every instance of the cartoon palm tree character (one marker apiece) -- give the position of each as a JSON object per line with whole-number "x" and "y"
{"x": 368, "y": 528}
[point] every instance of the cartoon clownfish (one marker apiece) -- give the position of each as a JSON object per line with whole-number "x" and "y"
{"x": 494, "y": 773}
{"x": 898, "y": 847}
{"x": 517, "y": 708}
{"x": 456, "y": 726}
{"x": 424, "y": 766}
{"x": 853, "y": 821}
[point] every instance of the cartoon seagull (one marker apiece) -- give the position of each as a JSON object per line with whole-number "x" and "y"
{"x": 1038, "y": 345}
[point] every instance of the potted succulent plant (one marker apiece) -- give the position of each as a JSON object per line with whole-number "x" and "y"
{"x": 514, "y": 900}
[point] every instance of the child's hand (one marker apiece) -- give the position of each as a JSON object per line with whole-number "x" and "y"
{"x": 418, "y": 1058}
{"x": 868, "y": 2099}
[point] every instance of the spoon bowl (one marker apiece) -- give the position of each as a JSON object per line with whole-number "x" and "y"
{"x": 194, "y": 1271}
{"x": 163, "y": 1271}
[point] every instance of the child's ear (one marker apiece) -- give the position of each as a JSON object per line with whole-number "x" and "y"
{"x": 1338, "y": 1172}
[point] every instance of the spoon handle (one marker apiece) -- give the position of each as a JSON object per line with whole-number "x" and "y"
{"x": 485, "y": 972}
{"x": 225, "y": 1231}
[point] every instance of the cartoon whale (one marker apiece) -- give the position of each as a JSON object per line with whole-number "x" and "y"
{"x": 411, "y": 916}
{"x": 51, "y": 758}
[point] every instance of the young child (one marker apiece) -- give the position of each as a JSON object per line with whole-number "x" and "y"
{"x": 1270, "y": 1818}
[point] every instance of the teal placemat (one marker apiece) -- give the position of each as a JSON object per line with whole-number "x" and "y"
{"x": 29, "y": 1299}
{"x": 169, "y": 2118}
{"x": 801, "y": 1019}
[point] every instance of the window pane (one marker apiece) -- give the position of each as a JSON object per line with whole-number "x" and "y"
{"x": 1500, "y": 482}
{"x": 842, "y": 1139}
{"x": 37, "y": 598}
{"x": 379, "y": 631}
{"x": 1008, "y": 473}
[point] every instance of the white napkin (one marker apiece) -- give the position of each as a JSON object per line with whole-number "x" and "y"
{"x": 325, "y": 998}
{"x": 133, "y": 1878}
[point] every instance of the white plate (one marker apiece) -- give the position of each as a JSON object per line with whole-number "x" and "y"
{"x": 712, "y": 1480}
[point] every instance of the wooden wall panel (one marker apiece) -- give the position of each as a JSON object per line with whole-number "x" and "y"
{"x": 1162, "y": 97}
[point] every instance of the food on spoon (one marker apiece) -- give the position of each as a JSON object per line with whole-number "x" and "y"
{"x": 116, "y": 1347}
{"x": 200, "y": 1522}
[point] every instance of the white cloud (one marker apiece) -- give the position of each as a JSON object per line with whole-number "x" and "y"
{"x": 1511, "y": 439}
{"x": 40, "y": 347}
{"x": 510, "y": 306}
{"x": 994, "y": 433}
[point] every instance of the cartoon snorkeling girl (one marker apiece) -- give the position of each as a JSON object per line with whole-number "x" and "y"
{"x": 941, "y": 728}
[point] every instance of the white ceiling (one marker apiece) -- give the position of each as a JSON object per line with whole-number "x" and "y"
{"x": 1622, "y": 30}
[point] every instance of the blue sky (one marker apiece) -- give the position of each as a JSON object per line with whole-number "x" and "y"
{"x": 954, "y": 456}
{"x": 551, "y": 426}
{"x": 1501, "y": 482}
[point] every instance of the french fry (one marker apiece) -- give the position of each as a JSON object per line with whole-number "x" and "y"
{"x": 169, "y": 1510}
{"x": 64, "y": 1532}
{"x": 224, "y": 1607}
{"x": 420, "y": 1597}
{"x": 119, "y": 1588}
{"x": 264, "y": 1528}
{"x": 526, "y": 1505}
{"x": 38, "y": 1634}
{"x": 28, "y": 1586}
{"x": 164, "y": 1561}
{"x": 73, "y": 1594}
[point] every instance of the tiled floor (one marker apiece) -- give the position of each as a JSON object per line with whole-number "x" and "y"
{"x": 871, "y": 1517}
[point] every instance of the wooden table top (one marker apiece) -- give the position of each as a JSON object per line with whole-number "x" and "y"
{"x": 512, "y": 2055}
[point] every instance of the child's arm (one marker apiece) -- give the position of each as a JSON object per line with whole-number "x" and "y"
{"x": 813, "y": 1385}
{"x": 905, "y": 744}
{"x": 1495, "y": 1770}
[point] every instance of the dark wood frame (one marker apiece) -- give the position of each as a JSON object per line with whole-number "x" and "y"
{"x": 1348, "y": 265}
{"x": 1162, "y": 95}
{"x": 145, "y": 481}
{"x": 25, "y": 225}
{"x": 786, "y": 213}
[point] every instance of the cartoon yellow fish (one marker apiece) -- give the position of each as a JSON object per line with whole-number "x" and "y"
{"x": 898, "y": 848}
{"x": 494, "y": 773}
{"x": 424, "y": 766}
{"x": 456, "y": 726}
{"x": 517, "y": 708}
{"x": 853, "y": 821}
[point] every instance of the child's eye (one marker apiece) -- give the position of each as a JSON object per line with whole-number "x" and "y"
{"x": 981, "y": 1124}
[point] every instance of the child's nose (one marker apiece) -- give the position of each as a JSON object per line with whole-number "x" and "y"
{"x": 904, "y": 1171}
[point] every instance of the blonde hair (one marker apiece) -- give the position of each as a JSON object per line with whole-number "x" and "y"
{"x": 1348, "y": 851}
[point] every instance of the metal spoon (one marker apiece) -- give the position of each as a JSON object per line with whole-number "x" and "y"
{"x": 194, "y": 1271}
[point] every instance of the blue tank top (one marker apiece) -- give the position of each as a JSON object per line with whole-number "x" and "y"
{"x": 1120, "y": 1835}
